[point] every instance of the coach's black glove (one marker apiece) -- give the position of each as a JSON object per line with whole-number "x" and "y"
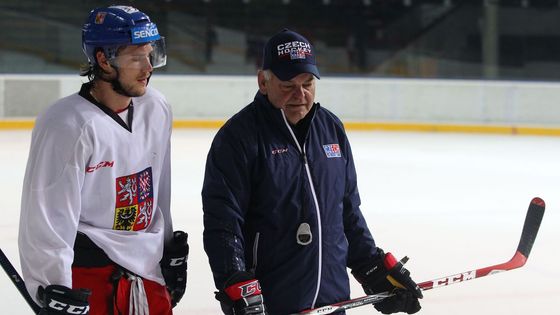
{"x": 174, "y": 265}
{"x": 385, "y": 274}
{"x": 242, "y": 295}
{"x": 60, "y": 300}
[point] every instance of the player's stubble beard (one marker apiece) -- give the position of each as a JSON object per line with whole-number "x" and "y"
{"x": 119, "y": 88}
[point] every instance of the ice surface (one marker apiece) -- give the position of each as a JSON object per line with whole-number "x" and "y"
{"x": 451, "y": 202}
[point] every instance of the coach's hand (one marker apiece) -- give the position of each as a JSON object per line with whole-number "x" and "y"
{"x": 242, "y": 295}
{"x": 385, "y": 274}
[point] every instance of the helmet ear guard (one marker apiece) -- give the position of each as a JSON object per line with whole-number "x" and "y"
{"x": 116, "y": 26}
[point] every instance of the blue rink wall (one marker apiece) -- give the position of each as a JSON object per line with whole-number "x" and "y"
{"x": 362, "y": 103}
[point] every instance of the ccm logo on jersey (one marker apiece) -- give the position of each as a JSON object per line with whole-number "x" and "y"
{"x": 68, "y": 309}
{"x": 278, "y": 151}
{"x": 91, "y": 169}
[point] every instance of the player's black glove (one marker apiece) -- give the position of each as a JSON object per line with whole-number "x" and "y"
{"x": 174, "y": 265}
{"x": 242, "y": 295}
{"x": 385, "y": 274}
{"x": 61, "y": 300}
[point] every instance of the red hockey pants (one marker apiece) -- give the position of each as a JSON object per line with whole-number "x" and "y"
{"x": 106, "y": 299}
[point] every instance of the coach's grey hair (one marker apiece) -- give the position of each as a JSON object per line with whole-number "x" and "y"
{"x": 267, "y": 74}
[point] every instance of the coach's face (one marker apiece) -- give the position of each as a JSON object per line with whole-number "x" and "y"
{"x": 295, "y": 96}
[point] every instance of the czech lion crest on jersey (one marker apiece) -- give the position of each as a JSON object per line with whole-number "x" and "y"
{"x": 135, "y": 201}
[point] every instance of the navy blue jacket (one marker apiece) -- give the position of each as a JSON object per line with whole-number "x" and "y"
{"x": 259, "y": 186}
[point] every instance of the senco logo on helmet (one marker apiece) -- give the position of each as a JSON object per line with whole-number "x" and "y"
{"x": 146, "y": 33}
{"x": 295, "y": 50}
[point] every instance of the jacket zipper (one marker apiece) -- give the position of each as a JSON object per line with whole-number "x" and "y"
{"x": 311, "y": 184}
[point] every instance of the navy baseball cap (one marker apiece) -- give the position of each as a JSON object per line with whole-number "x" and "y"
{"x": 288, "y": 54}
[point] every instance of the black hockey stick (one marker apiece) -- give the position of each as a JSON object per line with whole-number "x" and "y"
{"x": 530, "y": 229}
{"x": 17, "y": 281}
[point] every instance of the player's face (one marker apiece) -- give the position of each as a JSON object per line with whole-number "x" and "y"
{"x": 135, "y": 68}
{"x": 295, "y": 96}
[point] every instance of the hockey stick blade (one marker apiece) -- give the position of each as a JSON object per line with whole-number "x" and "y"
{"x": 531, "y": 227}
{"x": 17, "y": 281}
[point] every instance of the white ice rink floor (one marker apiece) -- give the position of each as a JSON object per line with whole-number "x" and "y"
{"x": 451, "y": 202}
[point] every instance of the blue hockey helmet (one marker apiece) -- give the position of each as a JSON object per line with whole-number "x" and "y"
{"x": 112, "y": 27}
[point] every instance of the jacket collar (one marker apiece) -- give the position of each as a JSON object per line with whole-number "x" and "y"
{"x": 274, "y": 115}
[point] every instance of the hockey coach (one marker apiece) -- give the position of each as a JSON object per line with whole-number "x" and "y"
{"x": 281, "y": 206}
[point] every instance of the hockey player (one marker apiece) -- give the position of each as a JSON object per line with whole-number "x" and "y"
{"x": 281, "y": 206}
{"x": 95, "y": 229}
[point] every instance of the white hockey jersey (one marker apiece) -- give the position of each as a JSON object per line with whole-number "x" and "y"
{"x": 86, "y": 172}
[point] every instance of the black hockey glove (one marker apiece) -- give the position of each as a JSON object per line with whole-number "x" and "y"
{"x": 385, "y": 274}
{"x": 60, "y": 300}
{"x": 174, "y": 266}
{"x": 242, "y": 295}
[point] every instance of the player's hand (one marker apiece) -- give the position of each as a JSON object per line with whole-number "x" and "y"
{"x": 61, "y": 300}
{"x": 174, "y": 266}
{"x": 385, "y": 274}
